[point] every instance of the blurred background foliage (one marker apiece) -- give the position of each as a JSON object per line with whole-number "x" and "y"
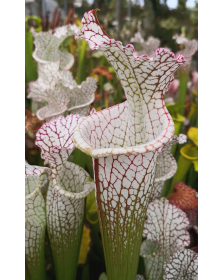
{"x": 152, "y": 17}
{"x": 121, "y": 19}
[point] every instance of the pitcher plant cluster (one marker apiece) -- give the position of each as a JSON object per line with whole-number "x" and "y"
{"x": 142, "y": 203}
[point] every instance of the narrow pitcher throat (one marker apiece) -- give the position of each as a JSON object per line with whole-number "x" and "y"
{"x": 136, "y": 124}
{"x": 140, "y": 118}
{"x": 32, "y": 192}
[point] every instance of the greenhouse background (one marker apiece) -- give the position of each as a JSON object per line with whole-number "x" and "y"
{"x": 65, "y": 76}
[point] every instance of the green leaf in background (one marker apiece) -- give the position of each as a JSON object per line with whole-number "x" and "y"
{"x": 174, "y": 109}
{"x": 81, "y": 74}
{"x": 189, "y": 156}
{"x": 85, "y": 245}
{"x": 178, "y": 119}
{"x": 111, "y": 69}
{"x": 178, "y": 122}
{"x": 193, "y": 135}
{"x": 183, "y": 76}
{"x": 65, "y": 45}
{"x": 37, "y": 21}
{"x": 83, "y": 160}
{"x": 193, "y": 178}
{"x": 91, "y": 209}
{"x": 193, "y": 114}
{"x": 30, "y": 64}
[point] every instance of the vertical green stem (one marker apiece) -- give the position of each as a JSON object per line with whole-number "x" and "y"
{"x": 166, "y": 188}
{"x": 193, "y": 177}
{"x": 90, "y": 65}
{"x": 183, "y": 166}
{"x": 183, "y": 88}
{"x": 85, "y": 272}
{"x": 81, "y": 75}
{"x": 178, "y": 125}
{"x": 79, "y": 158}
{"x": 30, "y": 64}
{"x": 83, "y": 160}
{"x": 193, "y": 114}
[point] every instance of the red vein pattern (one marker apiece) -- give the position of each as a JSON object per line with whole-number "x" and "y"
{"x": 165, "y": 224}
{"x": 143, "y": 119}
{"x": 123, "y": 186}
{"x": 182, "y": 266}
{"x": 65, "y": 214}
{"x": 35, "y": 225}
{"x": 69, "y": 185}
{"x": 56, "y": 141}
{"x": 166, "y": 166}
{"x": 33, "y": 170}
{"x": 124, "y": 140}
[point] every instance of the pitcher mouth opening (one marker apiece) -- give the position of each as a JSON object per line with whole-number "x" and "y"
{"x": 83, "y": 137}
{"x": 38, "y": 183}
{"x": 84, "y": 184}
{"x": 169, "y": 174}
